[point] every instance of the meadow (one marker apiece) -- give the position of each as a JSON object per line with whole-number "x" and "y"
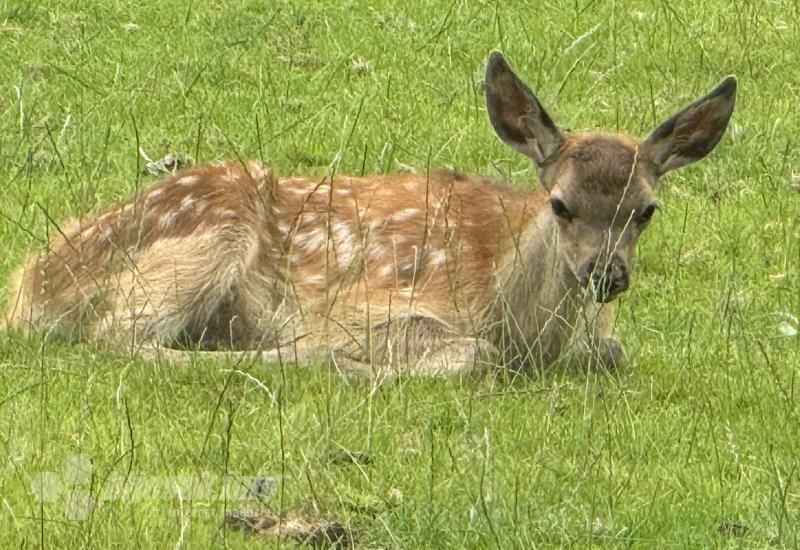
{"x": 693, "y": 443}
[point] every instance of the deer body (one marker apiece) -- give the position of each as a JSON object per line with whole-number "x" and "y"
{"x": 433, "y": 273}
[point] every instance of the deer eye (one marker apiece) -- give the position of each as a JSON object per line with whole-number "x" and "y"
{"x": 646, "y": 214}
{"x": 560, "y": 209}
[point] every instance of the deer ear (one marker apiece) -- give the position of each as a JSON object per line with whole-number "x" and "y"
{"x": 516, "y": 114}
{"x": 692, "y": 133}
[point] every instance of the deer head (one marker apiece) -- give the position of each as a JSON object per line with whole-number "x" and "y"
{"x": 601, "y": 186}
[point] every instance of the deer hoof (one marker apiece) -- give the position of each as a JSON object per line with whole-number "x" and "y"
{"x": 611, "y": 354}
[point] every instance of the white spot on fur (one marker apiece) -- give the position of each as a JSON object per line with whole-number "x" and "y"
{"x": 377, "y": 253}
{"x": 342, "y": 233}
{"x": 233, "y": 175}
{"x": 292, "y": 181}
{"x": 155, "y": 193}
{"x": 405, "y": 214}
{"x": 386, "y": 270}
{"x": 437, "y": 257}
{"x": 308, "y": 218}
{"x": 188, "y": 181}
{"x": 310, "y": 240}
{"x": 284, "y": 228}
{"x": 323, "y": 189}
{"x": 300, "y": 191}
{"x": 167, "y": 220}
{"x": 316, "y": 279}
{"x": 186, "y": 203}
{"x": 216, "y": 228}
{"x": 257, "y": 170}
{"x": 345, "y": 256}
{"x": 344, "y": 240}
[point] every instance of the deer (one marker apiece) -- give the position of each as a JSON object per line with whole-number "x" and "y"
{"x": 433, "y": 274}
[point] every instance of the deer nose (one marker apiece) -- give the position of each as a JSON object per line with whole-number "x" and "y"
{"x": 608, "y": 279}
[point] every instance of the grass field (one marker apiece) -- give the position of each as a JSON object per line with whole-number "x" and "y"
{"x": 695, "y": 443}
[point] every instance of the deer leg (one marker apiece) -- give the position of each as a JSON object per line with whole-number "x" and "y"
{"x": 173, "y": 293}
{"x": 594, "y": 344}
{"x": 301, "y": 355}
{"x": 413, "y": 345}
{"x": 609, "y": 350}
{"x": 457, "y": 357}
{"x": 421, "y": 346}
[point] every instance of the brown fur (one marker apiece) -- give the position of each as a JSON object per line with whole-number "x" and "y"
{"x": 429, "y": 273}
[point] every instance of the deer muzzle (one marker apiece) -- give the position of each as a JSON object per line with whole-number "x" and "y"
{"x": 607, "y": 280}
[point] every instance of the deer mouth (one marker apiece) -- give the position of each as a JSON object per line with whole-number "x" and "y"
{"x": 606, "y": 297}
{"x": 605, "y": 289}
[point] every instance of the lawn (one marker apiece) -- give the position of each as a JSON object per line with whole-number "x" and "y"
{"x": 694, "y": 443}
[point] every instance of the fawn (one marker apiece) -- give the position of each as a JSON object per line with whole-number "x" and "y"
{"x": 431, "y": 274}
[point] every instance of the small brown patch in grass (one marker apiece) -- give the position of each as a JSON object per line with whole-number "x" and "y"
{"x": 731, "y": 529}
{"x": 794, "y": 182}
{"x": 343, "y": 457}
{"x": 169, "y": 164}
{"x": 315, "y": 532}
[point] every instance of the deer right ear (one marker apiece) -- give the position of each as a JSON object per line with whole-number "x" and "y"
{"x": 692, "y": 133}
{"x": 516, "y": 114}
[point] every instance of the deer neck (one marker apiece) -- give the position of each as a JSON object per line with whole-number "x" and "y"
{"x": 531, "y": 263}
{"x": 538, "y": 293}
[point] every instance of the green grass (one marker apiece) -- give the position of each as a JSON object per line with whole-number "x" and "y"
{"x": 700, "y": 430}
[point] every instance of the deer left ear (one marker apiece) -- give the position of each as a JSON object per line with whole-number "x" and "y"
{"x": 692, "y": 133}
{"x": 516, "y": 114}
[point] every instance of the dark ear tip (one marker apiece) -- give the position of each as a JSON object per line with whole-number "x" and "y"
{"x": 727, "y": 87}
{"x": 496, "y": 63}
